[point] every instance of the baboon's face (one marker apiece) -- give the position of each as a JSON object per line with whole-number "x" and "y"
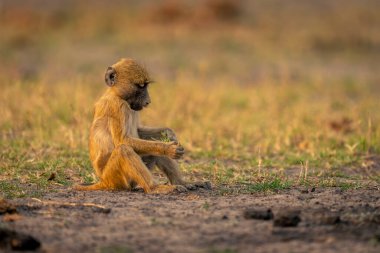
{"x": 140, "y": 97}
{"x": 130, "y": 82}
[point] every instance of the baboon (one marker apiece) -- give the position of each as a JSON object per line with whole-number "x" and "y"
{"x": 122, "y": 151}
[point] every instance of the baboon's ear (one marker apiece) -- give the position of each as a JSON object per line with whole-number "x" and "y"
{"x": 110, "y": 76}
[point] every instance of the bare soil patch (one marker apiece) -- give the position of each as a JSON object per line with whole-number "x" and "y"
{"x": 321, "y": 220}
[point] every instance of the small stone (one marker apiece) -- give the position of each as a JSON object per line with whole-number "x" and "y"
{"x": 258, "y": 214}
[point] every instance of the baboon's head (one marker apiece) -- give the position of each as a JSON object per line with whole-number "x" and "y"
{"x": 129, "y": 81}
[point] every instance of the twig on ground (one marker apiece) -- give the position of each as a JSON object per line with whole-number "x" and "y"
{"x": 96, "y": 207}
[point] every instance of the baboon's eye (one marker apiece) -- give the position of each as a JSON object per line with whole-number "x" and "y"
{"x": 142, "y": 85}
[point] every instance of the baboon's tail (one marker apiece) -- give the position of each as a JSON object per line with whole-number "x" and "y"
{"x": 90, "y": 187}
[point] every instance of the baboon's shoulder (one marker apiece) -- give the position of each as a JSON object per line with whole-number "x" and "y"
{"x": 107, "y": 106}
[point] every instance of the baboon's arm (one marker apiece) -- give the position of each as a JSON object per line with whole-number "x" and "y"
{"x": 145, "y": 147}
{"x": 156, "y": 133}
{"x": 140, "y": 146}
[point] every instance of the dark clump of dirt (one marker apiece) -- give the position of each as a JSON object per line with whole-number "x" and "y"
{"x": 287, "y": 218}
{"x": 323, "y": 220}
{"x": 17, "y": 241}
{"x": 324, "y": 217}
{"x": 7, "y": 207}
{"x": 258, "y": 213}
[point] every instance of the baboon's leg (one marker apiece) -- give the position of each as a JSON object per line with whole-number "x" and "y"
{"x": 149, "y": 161}
{"x": 125, "y": 168}
{"x": 171, "y": 169}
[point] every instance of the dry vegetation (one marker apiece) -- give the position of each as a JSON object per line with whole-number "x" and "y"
{"x": 264, "y": 95}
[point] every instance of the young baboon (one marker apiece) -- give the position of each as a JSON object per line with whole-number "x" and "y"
{"x": 121, "y": 151}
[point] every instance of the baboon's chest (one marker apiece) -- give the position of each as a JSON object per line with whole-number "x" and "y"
{"x": 131, "y": 124}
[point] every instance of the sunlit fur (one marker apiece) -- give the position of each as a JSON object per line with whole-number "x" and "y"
{"x": 115, "y": 145}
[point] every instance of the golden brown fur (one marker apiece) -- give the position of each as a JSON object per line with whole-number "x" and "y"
{"x": 122, "y": 151}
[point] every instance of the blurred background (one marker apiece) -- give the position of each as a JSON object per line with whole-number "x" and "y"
{"x": 245, "y": 41}
{"x": 259, "y": 83}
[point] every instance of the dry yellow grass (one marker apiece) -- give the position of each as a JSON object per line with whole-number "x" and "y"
{"x": 234, "y": 134}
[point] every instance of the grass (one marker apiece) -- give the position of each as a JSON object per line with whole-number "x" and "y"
{"x": 260, "y": 104}
{"x": 228, "y": 141}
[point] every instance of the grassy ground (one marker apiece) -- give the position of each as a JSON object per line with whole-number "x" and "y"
{"x": 259, "y": 103}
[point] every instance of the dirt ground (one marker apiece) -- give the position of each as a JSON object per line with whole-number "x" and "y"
{"x": 299, "y": 220}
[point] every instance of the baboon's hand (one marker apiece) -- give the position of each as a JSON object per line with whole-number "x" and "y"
{"x": 174, "y": 150}
{"x": 170, "y": 134}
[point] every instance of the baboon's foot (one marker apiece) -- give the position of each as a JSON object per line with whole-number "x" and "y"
{"x": 197, "y": 185}
{"x": 165, "y": 189}
{"x": 205, "y": 185}
{"x": 180, "y": 188}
